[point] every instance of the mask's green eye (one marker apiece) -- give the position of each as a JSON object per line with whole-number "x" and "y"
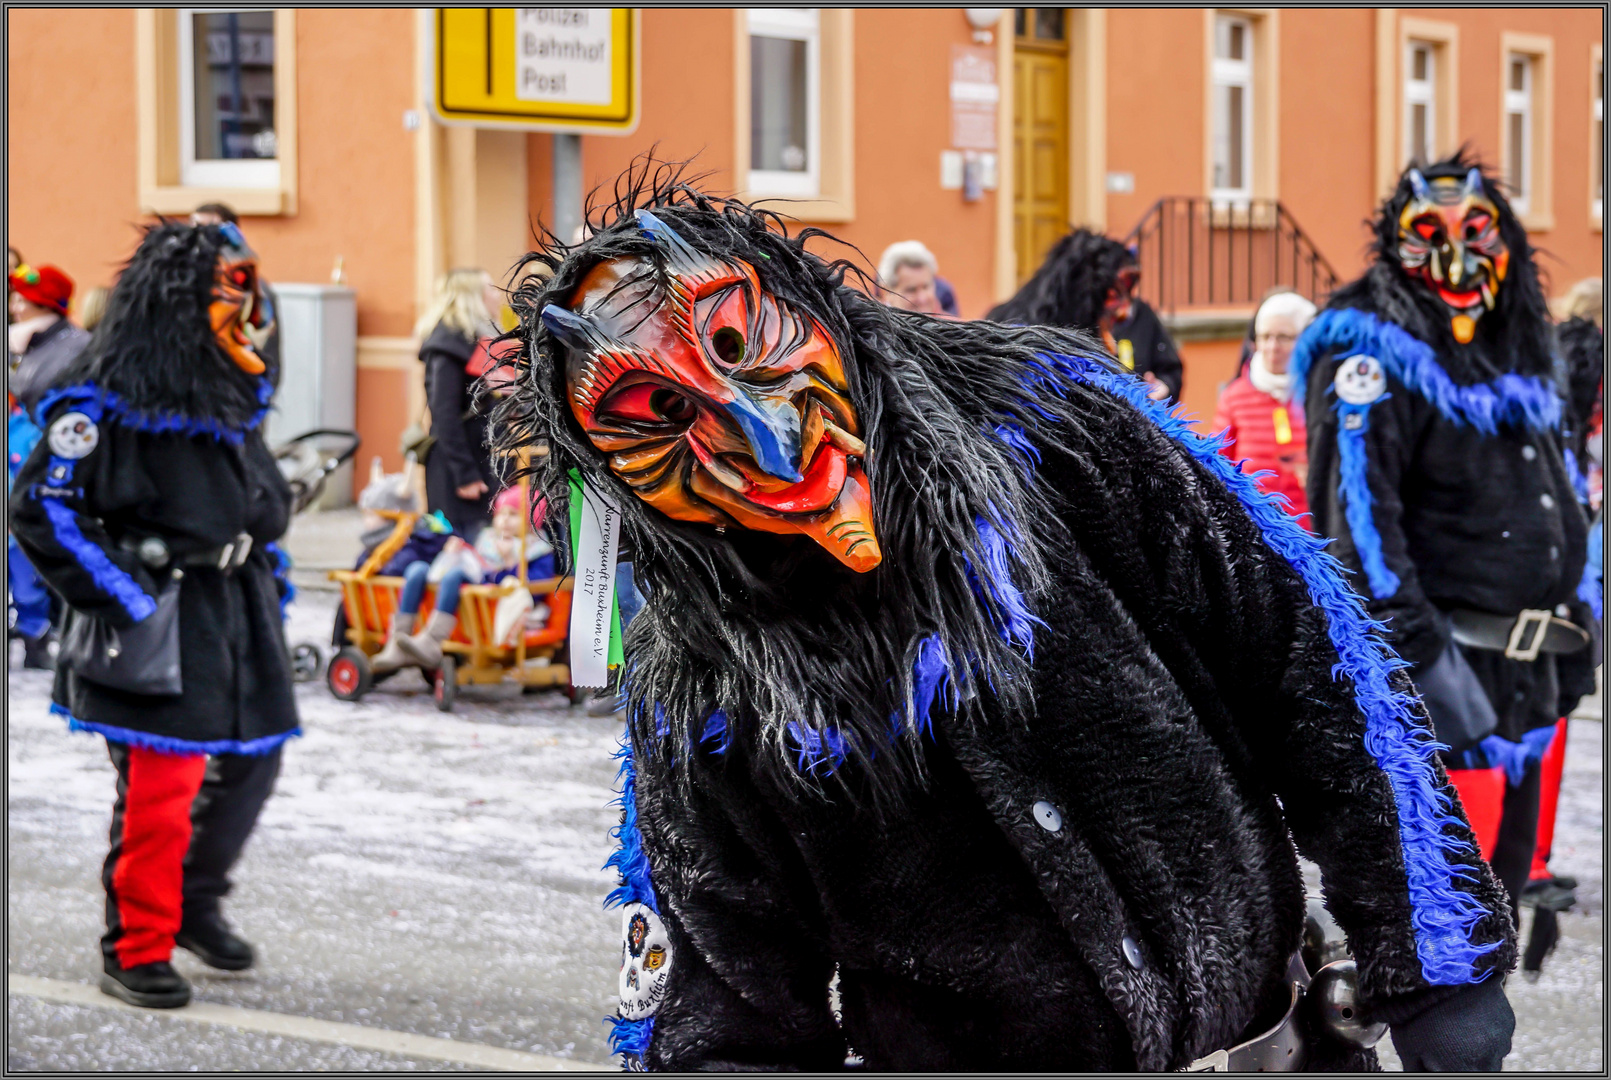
{"x": 729, "y": 345}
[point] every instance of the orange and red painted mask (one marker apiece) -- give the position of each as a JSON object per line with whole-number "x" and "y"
{"x": 240, "y": 312}
{"x": 715, "y": 400}
{"x": 1448, "y": 236}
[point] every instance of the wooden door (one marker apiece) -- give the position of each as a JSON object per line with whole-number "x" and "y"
{"x": 1040, "y": 134}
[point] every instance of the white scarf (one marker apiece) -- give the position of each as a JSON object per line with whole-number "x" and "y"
{"x": 1267, "y": 381}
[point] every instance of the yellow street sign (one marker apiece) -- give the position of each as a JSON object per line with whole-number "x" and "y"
{"x": 542, "y": 69}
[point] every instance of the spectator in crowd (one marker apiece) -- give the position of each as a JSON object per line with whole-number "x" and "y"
{"x": 1262, "y": 425}
{"x": 1580, "y": 341}
{"x": 41, "y": 340}
{"x": 909, "y": 274}
{"x": 459, "y": 479}
{"x": 93, "y": 307}
{"x": 1088, "y": 283}
{"x": 495, "y": 557}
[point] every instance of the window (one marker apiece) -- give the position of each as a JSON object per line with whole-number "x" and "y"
{"x": 1518, "y": 132}
{"x": 226, "y": 99}
{"x": 216, "y": 109}
{"x": 1420, "y": 102}
{"x": 785, "y": 93}
{"x": 1598, "y": 144}
{"x": 1232, "y": 108}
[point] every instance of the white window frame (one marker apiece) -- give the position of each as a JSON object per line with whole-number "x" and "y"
{"x": 1420, "y": 92}
{"x": 1520, "y": 101}
{"x": 1598, "y": 170}
{"x": 1228, "y": 73}
{"x": 797, "y": 24}
{"x": 248, "y": 173}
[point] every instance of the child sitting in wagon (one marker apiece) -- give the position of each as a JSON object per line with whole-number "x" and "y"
{"x": 494, "y": 557}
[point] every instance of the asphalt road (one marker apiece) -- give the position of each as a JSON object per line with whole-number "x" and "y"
{"x": 441, "y": 875}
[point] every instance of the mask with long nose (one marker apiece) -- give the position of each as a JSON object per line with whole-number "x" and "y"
{"x": 714, "y": 400}
{"x": 1448, "y": 236}
{"x": 240, "y": 312}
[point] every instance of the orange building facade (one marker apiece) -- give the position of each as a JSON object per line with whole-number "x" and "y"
{"x": 1098, "y": 114}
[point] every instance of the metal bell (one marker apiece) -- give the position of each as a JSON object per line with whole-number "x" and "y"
{"x": 1335, "y": 996}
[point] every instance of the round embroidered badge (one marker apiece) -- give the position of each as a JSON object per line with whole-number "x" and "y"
{"x": 645, "y": 962}
{"x": 1360, "y": 380}
{"x": 73, "y": 435}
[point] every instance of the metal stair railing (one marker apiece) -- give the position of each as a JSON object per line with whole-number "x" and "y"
{"x": 1196, "y": 252}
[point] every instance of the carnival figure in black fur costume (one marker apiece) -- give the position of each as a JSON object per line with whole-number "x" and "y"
{"x": 1435, "y": 458}
{"x": 973, "y": 682}
{"x": 152, "y": 505}
{"x": 1087, "y": 283}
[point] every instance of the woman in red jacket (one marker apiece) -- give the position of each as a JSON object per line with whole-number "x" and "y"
{"x": 1263, "y": 426}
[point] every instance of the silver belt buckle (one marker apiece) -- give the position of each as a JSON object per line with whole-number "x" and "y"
{"x": 1539, "y": 621}
{"x": 1218, "y": 1061}
{"x": 233, "y": 554}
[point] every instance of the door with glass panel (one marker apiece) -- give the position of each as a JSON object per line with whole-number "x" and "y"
{"x": 1040, "y": 134}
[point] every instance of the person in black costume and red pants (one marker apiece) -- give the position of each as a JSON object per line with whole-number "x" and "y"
{"x": 153, "y": 488}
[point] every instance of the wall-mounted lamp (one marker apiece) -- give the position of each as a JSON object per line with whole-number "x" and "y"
{"x": 982, "y": 20}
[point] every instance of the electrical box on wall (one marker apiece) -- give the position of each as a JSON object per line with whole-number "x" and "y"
{"x": 318, "y": 371}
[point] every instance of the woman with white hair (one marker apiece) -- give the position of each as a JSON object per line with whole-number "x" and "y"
{"x": 1263, "y": 426}
{"x": 910, "y": 276}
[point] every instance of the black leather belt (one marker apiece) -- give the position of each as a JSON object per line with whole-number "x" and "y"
{"x": 226, "y": 557}
{"x": 1278, "y": 1050}
{"x": 1519, "y": 637}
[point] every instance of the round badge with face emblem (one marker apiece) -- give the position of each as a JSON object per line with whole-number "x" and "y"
{"x": 73, "y": 435}
{"x": 1360, "y": 380}
{"x": 646, "y": 962}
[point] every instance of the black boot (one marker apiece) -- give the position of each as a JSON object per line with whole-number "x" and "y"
{"x": 36, "y": 653}
{"x": 208, "y": 936}
{"x": 153, "y": 986}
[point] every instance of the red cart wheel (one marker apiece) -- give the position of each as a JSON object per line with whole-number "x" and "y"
{"x": 349, "y": 675}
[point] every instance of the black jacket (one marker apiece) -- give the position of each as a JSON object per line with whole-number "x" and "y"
{"x": 1464, "y": 512}
{"x": 197, "y": 492}
{"x": 460, "y": 455}
{"x": 1149, "y": 347}
{"x": 1109, "y": 882}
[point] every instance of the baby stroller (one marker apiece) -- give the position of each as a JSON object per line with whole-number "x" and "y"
{"x": 306, "y": 462}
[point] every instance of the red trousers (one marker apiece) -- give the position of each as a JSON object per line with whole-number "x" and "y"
{"x": 144, "y": 873}
{"x": 179, "y": 825}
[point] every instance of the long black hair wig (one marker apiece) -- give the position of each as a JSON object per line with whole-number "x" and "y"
{"x": 1513, "y": 337}
{"x": 155, "y": 347}
{"x": 788, "y": 643}
{"x": 1071, "y": 287}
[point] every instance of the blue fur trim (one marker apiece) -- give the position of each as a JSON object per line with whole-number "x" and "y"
{"x": 631, "y": 1038}
{"x": 629, "y": 859}
{"x": 637, "y": 887}
{"x": 1401, "y": 744}
{"x": 107, "y": 575}
{"x": 817, "y": 749}
{"x": 1519, "y": 400}
{"x": 1353, "y": 485}
{"x": 168, "y": 745}
{"x": 1580, "y": 482}
{"x": 931, "y": 680}
{"x": 1495, "y": 752}
{"x": 87, "y": 396}
{"x": 1591, "y": 590}
{"x": 1018, "y": 441}
{"x": 716, "y": 729}
{"x": 996, "y": 588}
{"x": 282, "y": 575}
